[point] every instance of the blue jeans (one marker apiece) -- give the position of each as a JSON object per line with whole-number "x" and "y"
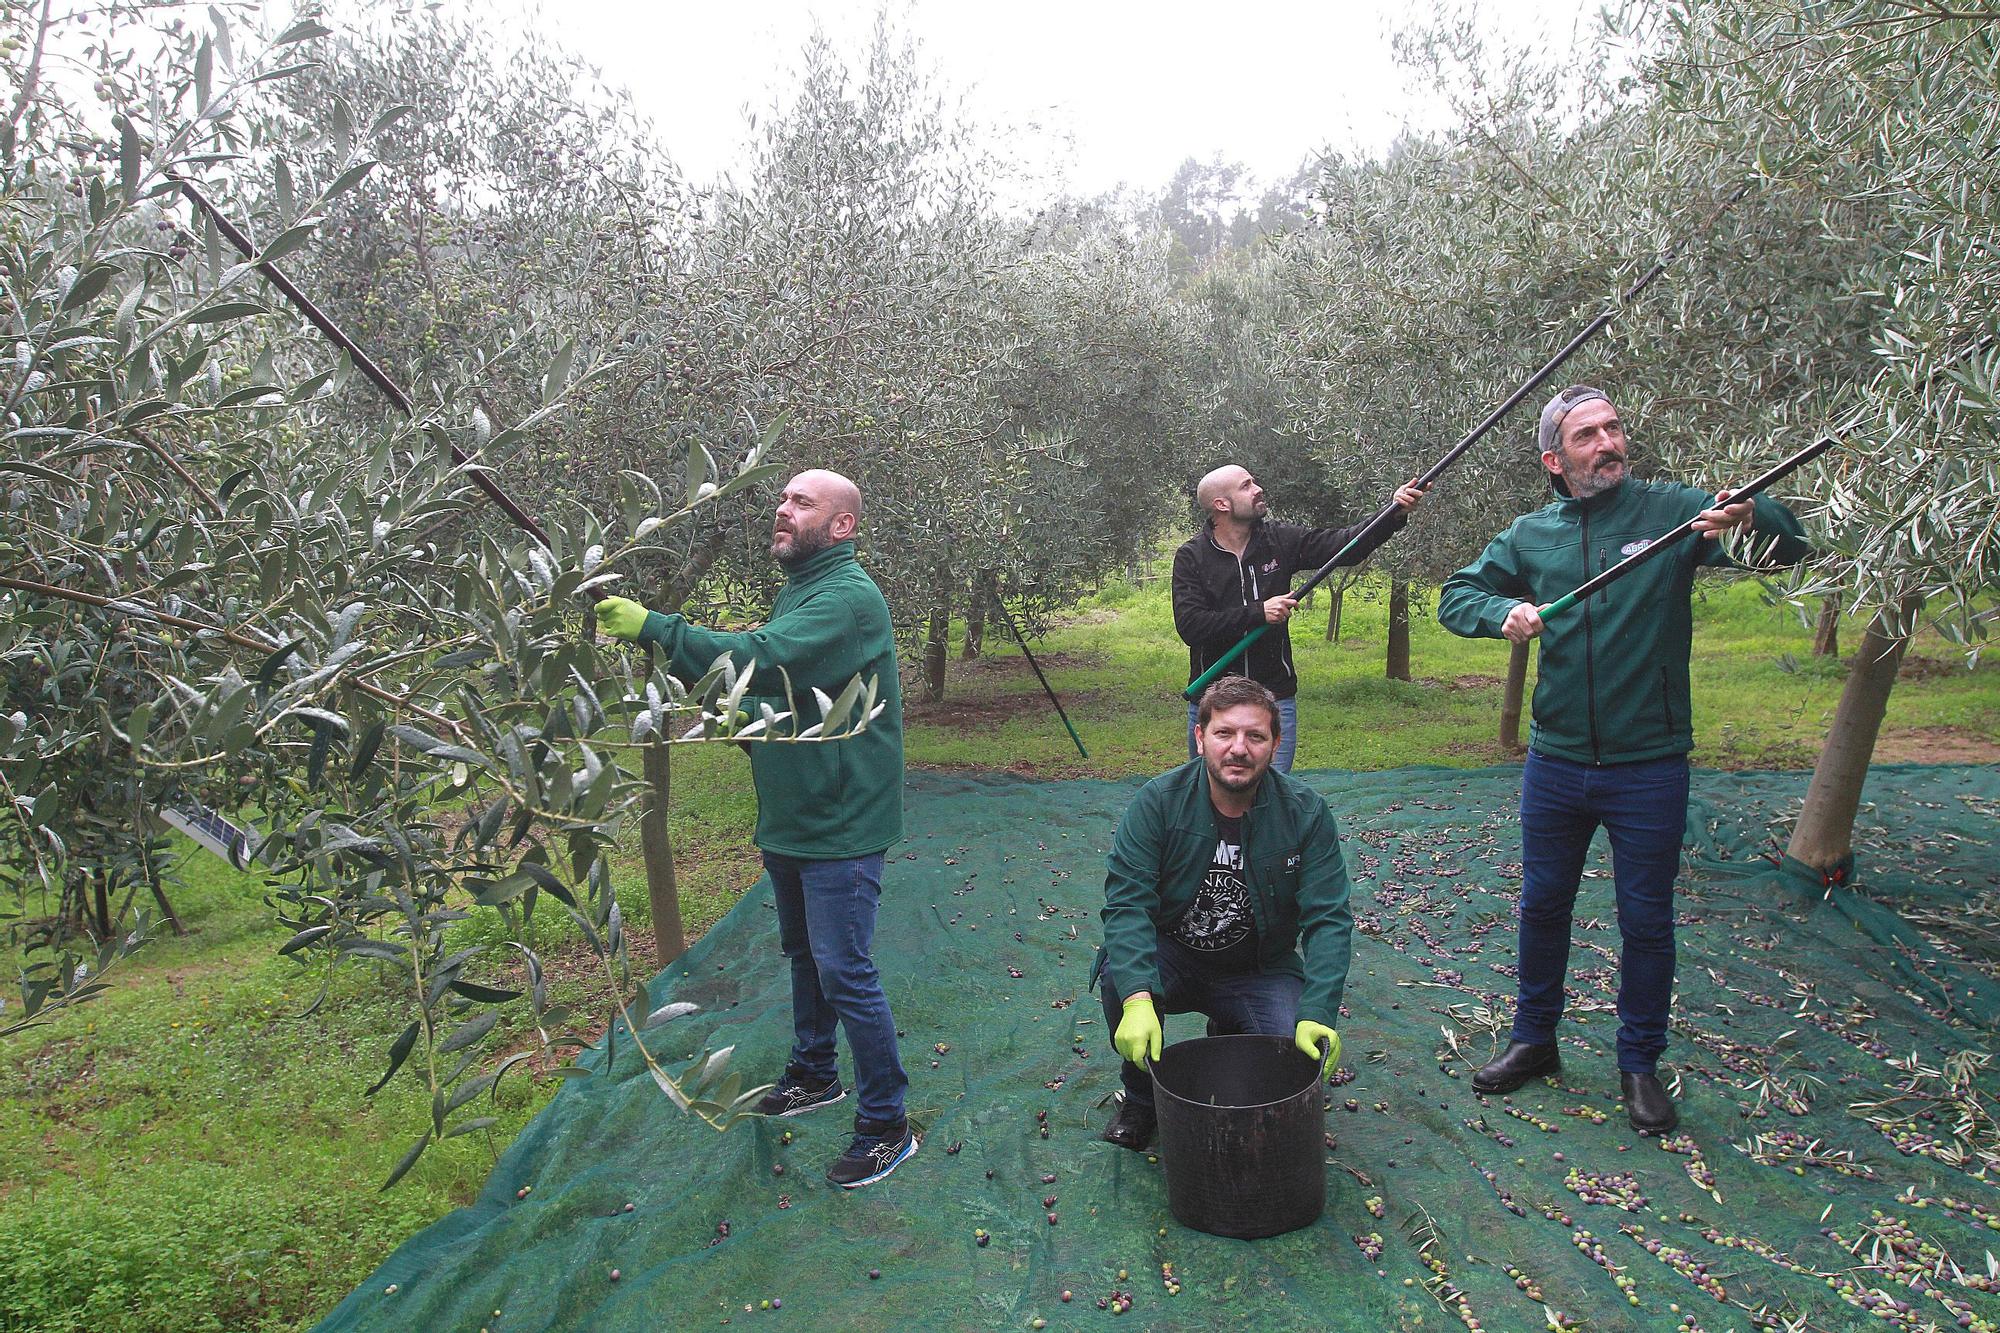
{"x": 1259, "y": 1003}
{"x": 1288, "y": 733}
{"x": 826, "y": 926}
{"x": 1643, "y": 808}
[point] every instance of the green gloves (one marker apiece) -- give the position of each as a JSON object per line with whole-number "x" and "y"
{"x": 621, "y": 617}
{"x": 1138, "y": 1035}
{"x": 1308, "y": 1036}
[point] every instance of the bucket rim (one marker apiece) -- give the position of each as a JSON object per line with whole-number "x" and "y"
{"x": 1160, "y": 1089}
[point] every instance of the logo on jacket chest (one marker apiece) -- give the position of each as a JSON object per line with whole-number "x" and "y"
{"x": 1268, "y": 567}
{"x": 1633, "y": 548}
{"x": 1292, "y": 861}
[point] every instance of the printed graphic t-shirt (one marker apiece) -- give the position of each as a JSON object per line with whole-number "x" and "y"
{"x": 1218, "y": 924}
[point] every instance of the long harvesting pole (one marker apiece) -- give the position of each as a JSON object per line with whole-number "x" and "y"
{"x": 364, "y": 363}
{"x": 1681, "y": 533}
{"x": 1437, "y": 469}
{"x": 1050, "y": 689}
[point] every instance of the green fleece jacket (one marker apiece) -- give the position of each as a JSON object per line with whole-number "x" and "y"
{"x": 1292, "y": 869}
{"x": 1612, "y": 679}
{"x": 816, "y": 800}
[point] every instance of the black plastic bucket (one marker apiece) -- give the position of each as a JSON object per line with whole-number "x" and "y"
{"x": 1242, "y": 1135}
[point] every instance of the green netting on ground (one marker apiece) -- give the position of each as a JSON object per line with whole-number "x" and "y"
{"x": 1785, "y": 1191}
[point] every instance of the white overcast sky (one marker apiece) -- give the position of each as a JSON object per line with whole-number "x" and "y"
{"x": 1124, "y": 91}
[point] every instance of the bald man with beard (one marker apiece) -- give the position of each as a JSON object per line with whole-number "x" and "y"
{"x": 1236, "y": 574}
{"x": 827, "y": 811}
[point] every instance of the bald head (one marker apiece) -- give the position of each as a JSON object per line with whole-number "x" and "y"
{"x": 1230, "y": 493}
{"x": 832, "y": 489}
{"x": 817, "y": 509}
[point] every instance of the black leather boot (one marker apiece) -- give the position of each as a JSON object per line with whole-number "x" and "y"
{"x": 1647, "y": 1105}
{"x": 1133, "y": 1127}
{"x": 1517, "y": 1064}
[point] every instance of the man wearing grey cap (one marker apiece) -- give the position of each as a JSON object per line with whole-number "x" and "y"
{"x": 1611, "y": 734}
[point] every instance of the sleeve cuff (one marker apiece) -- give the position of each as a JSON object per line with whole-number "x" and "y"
{"x": 658, "y": 629}
{"x": 1123, "y": 986}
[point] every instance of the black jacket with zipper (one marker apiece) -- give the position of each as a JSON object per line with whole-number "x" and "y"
{"x": 1218, "y": 597}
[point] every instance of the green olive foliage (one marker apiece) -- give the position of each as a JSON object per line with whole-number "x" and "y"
{"x": 233, "y": 573}
{"x": 220, "y": 585}
{"x": 1874, "y": 125}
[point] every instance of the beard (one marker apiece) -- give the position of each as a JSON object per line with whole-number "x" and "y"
{"x": 792, "y": 549}
{"x": 1585, "y": 482}
{"x": 1242, "y": 779}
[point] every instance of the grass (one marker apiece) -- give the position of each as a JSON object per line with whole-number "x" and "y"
{"x": 185, "y": 1153}
{"x": 1760, "y": 699}
{"x": 188, "y": 1154}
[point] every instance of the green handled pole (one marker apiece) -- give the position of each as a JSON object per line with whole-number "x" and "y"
{"x": 1436, "y": 470}
{"x": 1685, "y": 530}
{"x": 1201, "y": 682}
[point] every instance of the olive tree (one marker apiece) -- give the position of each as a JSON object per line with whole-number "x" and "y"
{"x": 1427, "y": 292}
{"x": 992, "y": 384}
{"x": 518, "y": 196}
{"x": 1097, "y": 384}
{"x": 424, "y": 730}
{"x": 1873, "y": 122}
{"x": 1245, "y": 307}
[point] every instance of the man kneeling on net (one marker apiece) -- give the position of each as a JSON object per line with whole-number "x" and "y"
{"x": 1223, "y": 873}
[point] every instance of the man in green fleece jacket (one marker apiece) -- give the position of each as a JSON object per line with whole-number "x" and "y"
{"x": 826, "y": 810}
{"x": 1612, "y": 721}
{"x": 1222, "y": 872}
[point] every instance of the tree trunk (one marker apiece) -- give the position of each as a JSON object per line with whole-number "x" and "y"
{"x": 1823, "y": 839}
{"x": 1826, "y": 637}
{"x": 1510, "y": 700}
{"x": 662, "y": 891}
{"x": 1399, "y": 629}
{"x": 975, "y": 617}
{"x": 151, "y": 869}
{"x": 937, "y": 648}
{"x": 701, "y": 557}
{"x": 1334, "y": 597}
{"x": 101, "y": 886}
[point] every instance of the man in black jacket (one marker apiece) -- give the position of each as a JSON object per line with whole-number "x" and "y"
{"x": 1236, "y": 574}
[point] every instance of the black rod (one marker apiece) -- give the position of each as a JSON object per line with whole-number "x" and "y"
{"x": 364, "y": 363}
{"x": 1659, "y": 544}
{"x": 1009, "y": 617}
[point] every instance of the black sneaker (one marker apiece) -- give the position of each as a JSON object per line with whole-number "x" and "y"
{"x": 1133, "y": 1126}
{"x": 873, "y": 1155}
{"x": 793, "y": 1096}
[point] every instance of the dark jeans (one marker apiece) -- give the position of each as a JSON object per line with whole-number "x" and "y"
{"x": 1258, "y": 1003}
{"x": 1643, "y": 808}
{"x": 826, "y": 926}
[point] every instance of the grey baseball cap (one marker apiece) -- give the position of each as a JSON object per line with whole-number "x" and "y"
{"x": 1560, "y": 406}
